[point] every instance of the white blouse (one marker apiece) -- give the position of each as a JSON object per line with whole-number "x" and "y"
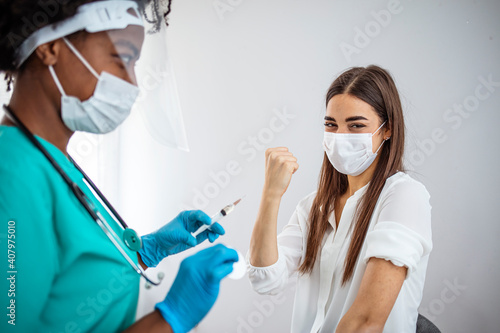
{"x": 399, "y": 231}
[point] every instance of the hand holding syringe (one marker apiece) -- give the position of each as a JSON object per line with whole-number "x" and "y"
{"x": 217, "y": 217}
{"x": 239, "y": 267}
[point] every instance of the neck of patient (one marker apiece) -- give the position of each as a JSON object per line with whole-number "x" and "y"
{"x": 357, "y": 182}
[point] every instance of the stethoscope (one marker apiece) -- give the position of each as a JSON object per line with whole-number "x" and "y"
{"x": 130, "y": 237}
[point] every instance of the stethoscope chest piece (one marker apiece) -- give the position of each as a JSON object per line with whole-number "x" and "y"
{"x": 132, "y": 240}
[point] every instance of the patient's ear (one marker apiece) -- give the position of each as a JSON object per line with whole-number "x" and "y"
{"x": 387, "y": 132}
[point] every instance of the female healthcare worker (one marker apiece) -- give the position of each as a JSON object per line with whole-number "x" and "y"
{"x": 361, "y": 242}
{"x": 68, "y": 266}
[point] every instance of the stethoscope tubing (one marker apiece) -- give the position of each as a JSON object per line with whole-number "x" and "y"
{"x": 82, "y": 197}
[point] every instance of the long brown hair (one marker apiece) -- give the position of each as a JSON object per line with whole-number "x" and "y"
{"x": 375, "y": 86}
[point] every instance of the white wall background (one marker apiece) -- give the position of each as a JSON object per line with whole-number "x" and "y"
{"x": 239, "y": 64}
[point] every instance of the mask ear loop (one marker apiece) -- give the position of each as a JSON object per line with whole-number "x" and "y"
{"x": 56, "y": 80}
{"x": 79, "y": 56}
{"x": 379, "y": 128}
{"x": 382, "y": 140}
{"x": 380, "y": 147}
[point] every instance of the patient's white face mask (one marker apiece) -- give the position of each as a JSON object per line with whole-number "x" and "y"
{"x": 350, "y": 153}
{"x": 105, "y": 110}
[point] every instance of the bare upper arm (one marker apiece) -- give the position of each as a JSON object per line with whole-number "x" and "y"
{"x": 377, "y": 294}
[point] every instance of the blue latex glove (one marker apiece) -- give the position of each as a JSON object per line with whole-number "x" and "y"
{"x": 175, "y": 236}
{"x": 196, "y": 287}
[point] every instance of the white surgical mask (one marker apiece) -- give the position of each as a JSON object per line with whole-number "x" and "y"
{"x": 350, "y": 154}
{"x": 107, "y": 108}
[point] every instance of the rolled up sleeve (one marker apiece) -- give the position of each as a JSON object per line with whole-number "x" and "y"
{"x": 402, "y": 233}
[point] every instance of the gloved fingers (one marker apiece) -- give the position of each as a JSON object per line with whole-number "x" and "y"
{"x": 206, "y": 234}
{"x": 221, "y": 271}
{"x": 210, "y": 234}
{"x": 221, "y": 254}
{"x": 222, "y": 262}
{"x": 212, "y": 237}
{"x": 218, "y": 229}
{"x": 202, "y": 237}
{"x": 186, "y": 238}
{"x": 217, "y": 262}
{"x": 196, "y": 218}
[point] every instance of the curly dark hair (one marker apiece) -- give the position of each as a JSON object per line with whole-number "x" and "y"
{"x": 20, "y": 18}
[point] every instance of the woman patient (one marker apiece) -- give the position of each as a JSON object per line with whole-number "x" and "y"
{"x": 360, "y": 243}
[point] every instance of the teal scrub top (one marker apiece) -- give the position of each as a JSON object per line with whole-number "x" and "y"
{"x": 66, "y": 275}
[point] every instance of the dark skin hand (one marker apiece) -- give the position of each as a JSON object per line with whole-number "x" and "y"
{"x": 153, "y": 322}
{"x": 143, "y": 265}
{"x": 37, "y": 102}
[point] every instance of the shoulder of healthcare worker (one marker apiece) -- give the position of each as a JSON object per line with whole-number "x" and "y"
{"x": 25, "y": 168}
{"x": 274, "y": 278}
{"x": 401, "y": 225}
{"x": 25, "y": 217}
{"x": 19, "y": 154}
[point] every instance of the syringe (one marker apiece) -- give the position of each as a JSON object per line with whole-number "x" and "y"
{"x": 217, "y": 217}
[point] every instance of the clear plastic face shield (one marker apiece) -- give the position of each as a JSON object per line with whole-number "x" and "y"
{"x": 129, "y": 48}
{"x": 158, "y": 101}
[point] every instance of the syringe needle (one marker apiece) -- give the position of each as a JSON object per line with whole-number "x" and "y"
{"x": 217, "y": 217}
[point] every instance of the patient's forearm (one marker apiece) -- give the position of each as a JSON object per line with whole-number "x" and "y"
{"x": 358, "y": 325}
{"x": 264, "y": 244}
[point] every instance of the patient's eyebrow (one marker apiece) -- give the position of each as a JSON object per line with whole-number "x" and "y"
{"x": 355, "y": 118}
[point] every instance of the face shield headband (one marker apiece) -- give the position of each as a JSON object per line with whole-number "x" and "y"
{"x": 92, "y": 17}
